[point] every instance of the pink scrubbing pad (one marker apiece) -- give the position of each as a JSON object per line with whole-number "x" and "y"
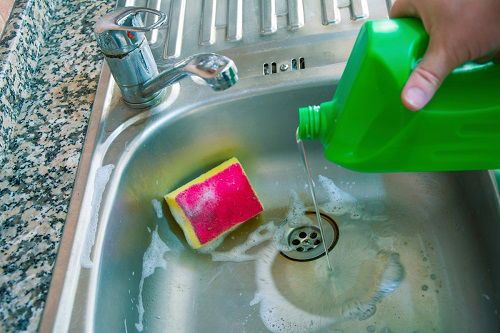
{"x": 214, "y": 203}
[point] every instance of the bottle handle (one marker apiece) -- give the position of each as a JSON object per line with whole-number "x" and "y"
{"x": 405, "y": 44}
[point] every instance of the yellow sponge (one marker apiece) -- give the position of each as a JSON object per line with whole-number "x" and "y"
{"x": 213, "y": 204}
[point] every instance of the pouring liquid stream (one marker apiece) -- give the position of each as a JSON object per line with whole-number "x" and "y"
{"x": 303, "y": 156}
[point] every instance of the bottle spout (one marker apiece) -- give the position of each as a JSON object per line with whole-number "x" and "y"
{"x": 312, "y": 122}
{"x": 309, "y": 122}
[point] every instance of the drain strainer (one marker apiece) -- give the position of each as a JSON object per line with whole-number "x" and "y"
{"x": 306, "y": 242}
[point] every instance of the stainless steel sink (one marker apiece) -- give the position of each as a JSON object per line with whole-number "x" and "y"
{"x": 415, "y": 252}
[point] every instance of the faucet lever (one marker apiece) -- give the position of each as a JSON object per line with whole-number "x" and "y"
{"x": 122, "y": 30}
{"x": 123, "y": 20}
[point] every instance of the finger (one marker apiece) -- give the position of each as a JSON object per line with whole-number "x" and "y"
{"x": 427, "y": 77}
{"x": 403, "y": 8}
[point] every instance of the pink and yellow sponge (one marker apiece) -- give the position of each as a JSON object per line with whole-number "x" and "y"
{"x": 214, "y": 204}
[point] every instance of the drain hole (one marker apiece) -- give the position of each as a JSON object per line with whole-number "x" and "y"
{"x": 294, "y": 64}
{"x": 274, "y": 68}
{"x": 302, "y": 63}
{"x": 306, "y": 240}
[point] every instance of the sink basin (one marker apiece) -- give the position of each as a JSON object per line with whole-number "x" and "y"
{"x": 416, "y": 252}
{"x": 413, "y": 253}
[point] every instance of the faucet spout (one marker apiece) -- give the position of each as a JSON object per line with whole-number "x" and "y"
{"x": 120, "y": 35}
{"x": 217, "y": 71}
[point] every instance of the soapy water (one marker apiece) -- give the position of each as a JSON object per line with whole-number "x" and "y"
{"x": 364, "y": 274}
{"x": 157, "y": 207}
{"x": 320, "y": 299}
{"x": 152, "y": 259}
{"x": 101, "y": 180}
{"x": 240, "y": 253}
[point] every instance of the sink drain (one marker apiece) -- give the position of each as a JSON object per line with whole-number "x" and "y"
{"x": 306, "y": 242}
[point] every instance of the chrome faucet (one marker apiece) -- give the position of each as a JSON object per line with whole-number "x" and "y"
{"x": 120, "y": 36}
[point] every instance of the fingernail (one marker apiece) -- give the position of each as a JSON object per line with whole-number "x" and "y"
{"x": 416, "y": 98}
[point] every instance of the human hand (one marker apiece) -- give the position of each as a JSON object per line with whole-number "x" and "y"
{"x": 459, "y": 31}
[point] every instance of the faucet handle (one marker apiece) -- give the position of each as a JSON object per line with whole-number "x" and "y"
{"x": 121, "y": 31}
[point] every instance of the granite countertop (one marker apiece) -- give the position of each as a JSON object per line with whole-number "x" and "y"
{"x": 49, "y": 69}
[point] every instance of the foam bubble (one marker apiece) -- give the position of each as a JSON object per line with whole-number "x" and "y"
{"x": 152, "y": 259}
{"x": 157, "y": 207}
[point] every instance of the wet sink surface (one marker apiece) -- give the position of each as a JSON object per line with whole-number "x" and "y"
{"x": 413, "y": 252}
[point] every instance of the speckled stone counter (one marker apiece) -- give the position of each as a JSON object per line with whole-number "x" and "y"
{"x": 49, "y": 68}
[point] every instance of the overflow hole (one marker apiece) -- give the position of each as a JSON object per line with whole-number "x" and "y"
{"x": 266, "y": 69}
{"x": 302, "y": 63}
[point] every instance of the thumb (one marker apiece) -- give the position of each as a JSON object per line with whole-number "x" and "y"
{"x": 427, "y": 77}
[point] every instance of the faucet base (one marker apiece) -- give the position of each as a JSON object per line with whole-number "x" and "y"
{"x": 156, "y": 99}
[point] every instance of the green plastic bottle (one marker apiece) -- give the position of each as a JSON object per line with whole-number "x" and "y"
{"x": 366, "y": 128}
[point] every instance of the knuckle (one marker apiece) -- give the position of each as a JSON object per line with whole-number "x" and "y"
{"x": 428, "y": 76}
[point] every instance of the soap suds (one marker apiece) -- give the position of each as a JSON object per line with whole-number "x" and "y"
{"x": 295, "y": 218}
{"x": 256, "y": 299}
{"x": 152, "y": 259}
{"x": 205, "y": 200}
{"x": 101, "y": 180}
{"x": 295, "y": 215}
{"x": 339, "y": 201}
{"x": 240, "y": 253}
{"x": 157, "y": 207}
